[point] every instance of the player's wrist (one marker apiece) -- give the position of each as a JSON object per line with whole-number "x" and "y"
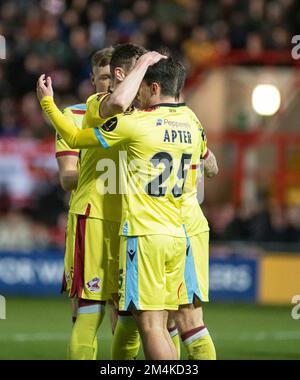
{"x": 46, "y": 99}
{"x": 144, "y": 61}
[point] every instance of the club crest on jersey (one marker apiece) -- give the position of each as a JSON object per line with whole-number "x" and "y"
{"x": 93, "y": 285}
{"x": 110, "y": 124}
{"x": 159, "y": 122}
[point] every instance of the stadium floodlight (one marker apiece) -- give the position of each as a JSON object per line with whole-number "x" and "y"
{"x": 266, "y": 99}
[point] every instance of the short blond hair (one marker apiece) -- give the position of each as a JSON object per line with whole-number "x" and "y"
{"x": 102, "y": 57}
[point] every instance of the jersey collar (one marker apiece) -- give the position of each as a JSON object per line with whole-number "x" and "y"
{"x": 174, "y": 105}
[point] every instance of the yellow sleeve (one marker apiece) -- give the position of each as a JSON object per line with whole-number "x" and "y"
{"x": 116, "y": 130}
{"x": 204, "y": 152}
{"x": 61, "y": 147}
{"x": 92, "y": 118}
{"x": 109, "y": 131}
{"x": 66, "y": 128}
{"x": 199, "y": 151}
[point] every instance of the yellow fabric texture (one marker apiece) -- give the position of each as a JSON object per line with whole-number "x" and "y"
{"x": 126, "y": 339}
{"x": 201, "y": 349}
{"x": 176, "y": 341}
{"x": 151, "y": 272}
{"x": 82, "y": 343}
{"x": 193, "y": 218}
{"x": 96, "y": 254}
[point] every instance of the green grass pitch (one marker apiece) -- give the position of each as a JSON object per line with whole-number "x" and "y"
{"x": 39, "y": 328}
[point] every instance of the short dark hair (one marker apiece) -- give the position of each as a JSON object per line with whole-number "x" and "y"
{"x": 102, "y": 57}
{"x": 124, "y": 56}
{"x": 169, "y": 74}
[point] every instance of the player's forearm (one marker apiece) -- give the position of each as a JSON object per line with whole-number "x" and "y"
{"x": 73, "y": 136}
{"x": 210, "y": 165}
{"x": 124, "y": 94}
{"x": 69, "y": 180}
{"x": 68, "y": 172}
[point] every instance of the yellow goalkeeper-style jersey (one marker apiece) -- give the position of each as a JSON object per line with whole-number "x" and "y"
{"x": 193, "y": 218}
{"x": 76, "y": 114}
{"x": 156, "y": 148}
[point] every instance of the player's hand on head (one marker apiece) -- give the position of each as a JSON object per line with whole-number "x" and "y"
{"x": 44, "y": 87}
{"x": 152, "y": 57}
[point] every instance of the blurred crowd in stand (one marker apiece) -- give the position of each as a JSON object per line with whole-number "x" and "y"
{"x": 58, "y": 37}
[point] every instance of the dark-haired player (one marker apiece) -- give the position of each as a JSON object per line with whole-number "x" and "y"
{"x": 96, "y": 277}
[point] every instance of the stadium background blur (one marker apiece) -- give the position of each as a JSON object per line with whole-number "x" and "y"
{"x": 229, "y": 47}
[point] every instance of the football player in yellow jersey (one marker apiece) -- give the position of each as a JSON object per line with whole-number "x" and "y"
{"x": 189, "y": 317}
{"x": 160, "y": 145}
{"x": 103, "y": 209}
{"x": 69, "y": 168}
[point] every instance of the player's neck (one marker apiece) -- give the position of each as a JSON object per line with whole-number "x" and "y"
{"x": 162, "y": 100}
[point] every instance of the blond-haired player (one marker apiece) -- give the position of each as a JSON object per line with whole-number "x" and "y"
{"x": 69, "y": 172}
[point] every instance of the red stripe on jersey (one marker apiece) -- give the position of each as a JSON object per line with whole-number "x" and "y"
{"x": 172, "y": 329}
{"x": 194, "y": 167}
{"x": 64, "y": 281}
{"x": 88, "y": 210}
{"x": 192, "y": 332}
{"x": 66, "y": 153}
{"x": 78, "y": 277}
{"x": 206, "y": 155}
{"x": 78, "y": 112}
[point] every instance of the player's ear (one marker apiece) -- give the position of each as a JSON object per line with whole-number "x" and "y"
{"x": 92, "y": 77}
{"x": 155, "y": 88}
{"x": 119, "y": 74}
